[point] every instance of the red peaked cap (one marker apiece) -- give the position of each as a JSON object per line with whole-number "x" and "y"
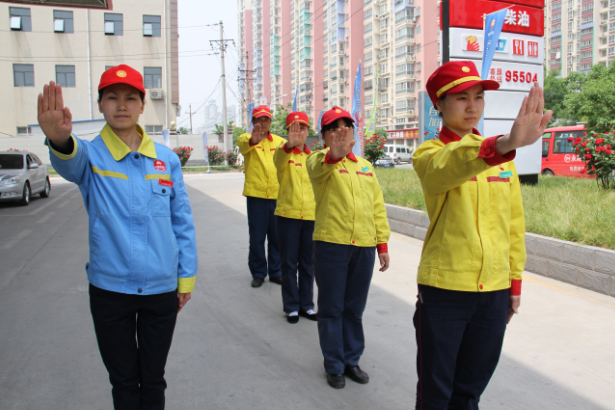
{"x": 261, "y": 111}
{"x": 122, "y": 74}
{"x": 297, "y": 116}
{"x": 335, "y": 114}
{"x": 455, "y": 77}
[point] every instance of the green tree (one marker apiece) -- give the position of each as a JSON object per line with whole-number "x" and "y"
{"x": 555, "y": 93}
{"x": 182, "y": 130}
{"x": 237, "y": 131}
{"x": 591, "y": 97}
{"x": 219, "y": 129}
{"x": 382, "y": 132}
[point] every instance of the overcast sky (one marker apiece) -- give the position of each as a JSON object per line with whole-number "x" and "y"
{"x": 199, "y": 73}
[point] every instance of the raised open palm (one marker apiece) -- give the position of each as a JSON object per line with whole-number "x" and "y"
{"x": 294, "y": 135}
{"x": 257, "y": 134}
{"x": 531, "y": 121}
{"x": 342, "y": 142}
{"x": 53, "y": 117}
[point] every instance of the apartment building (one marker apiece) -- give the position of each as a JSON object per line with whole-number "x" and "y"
{"x": 579, "y": 34}
{"x": 74, "y": 46}
{"x": 316, "y": 46}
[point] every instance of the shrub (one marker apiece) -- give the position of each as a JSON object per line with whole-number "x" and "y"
{"x": 598, "y": 153}
{"x": 374, "y": 148}
{"x": 183, "y": 153}
{"x": 216, "y": 155}
{"x": 317, "y": 145}
{"x": 231, "y": 157}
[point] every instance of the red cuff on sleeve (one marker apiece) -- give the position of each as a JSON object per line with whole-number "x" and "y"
{"x": 330, "y": 160}
{"x": 382, "y": 248}
{"x": 515, "y": 287}
{"x": 250, "y": 142}
{"x": 490, "y": 154}
{"x": 287, "y": 150}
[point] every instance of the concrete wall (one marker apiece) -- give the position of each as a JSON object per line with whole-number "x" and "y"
{"x": 584, "y": 266}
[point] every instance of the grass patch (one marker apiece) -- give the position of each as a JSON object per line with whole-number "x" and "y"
{"x": 52, "y": 171}
{"x": 570, "y": 209}
{"x": 222, "y": 168}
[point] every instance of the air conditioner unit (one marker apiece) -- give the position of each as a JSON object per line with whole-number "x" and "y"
{"x": 156, "y": 94}
{"x": 410, "y": 112}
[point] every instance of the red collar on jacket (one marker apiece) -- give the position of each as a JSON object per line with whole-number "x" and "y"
{"x": 350, "y": 155}
{"x": 305, "y": 149}
{"x": 447, "y": 136}
{"x": 269, "y": 137}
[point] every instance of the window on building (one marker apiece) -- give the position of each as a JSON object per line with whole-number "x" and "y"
{"x": 23, "y": 75}
{"x": 587, "y": 31}
{"x": 612, "y": 26}
{"x": 383, "y": 38}
{"x": 152, "y": 77}
{"x": 383, "y": 8}
{"x": 611, "y": 38}
{"x": 65, "y": 75}
{"x": 151, "y": 26}
{"x": 368, "y": 28}
{"x": 153, "y": 129}
{"x": 384, "y": 98}
{"x": 114, "y": 24}
{"x": 384, "y": 23}
{"x": 368, "y": 56}
{"x": 63, "y": 21}
{"x": 587, "y": 19}
{"x": 20, "y": 19}
{"x": 611, "y": 51}
{"x": 367, "y": 13}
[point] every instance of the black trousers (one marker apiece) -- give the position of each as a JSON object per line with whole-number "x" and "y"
{"x": 297, "y": 255}
{"x": 459, "y": 337}
{"x": 134, "y": 336}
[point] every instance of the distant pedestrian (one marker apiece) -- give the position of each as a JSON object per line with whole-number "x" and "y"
{"x": 295, "y": 212}
{"x": 143, "y": 255}
{"x": 474, "y": 251}
{"x": 261, "y": 191}
{"x": 351, "y": 224}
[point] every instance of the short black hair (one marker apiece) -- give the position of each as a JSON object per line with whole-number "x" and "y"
{"x": 100, "y": 94}
{"x": 441, "y": 99}
{"x": 333, "y": 125}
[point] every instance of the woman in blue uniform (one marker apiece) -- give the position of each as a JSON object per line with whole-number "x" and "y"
{"x": 143, "y": 256}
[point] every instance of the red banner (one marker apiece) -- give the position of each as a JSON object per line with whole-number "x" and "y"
{"x": 520, "y": 19}
{"x": 408, "y": 134}
{"x": 532, "y": 3}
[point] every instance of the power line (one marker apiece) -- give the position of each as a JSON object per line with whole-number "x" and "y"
{"x": 113, "y": 55}
{"x": 103, "y": 31}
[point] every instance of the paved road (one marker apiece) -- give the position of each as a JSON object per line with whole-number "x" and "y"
{"x": 233, "y": 348}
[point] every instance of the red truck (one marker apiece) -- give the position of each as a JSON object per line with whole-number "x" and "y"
{"x": 558, "y": 155}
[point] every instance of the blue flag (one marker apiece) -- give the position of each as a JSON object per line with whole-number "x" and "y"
{"x": 250, "y": 125}
{"x": 295, "y": 102}
{"x": 165, "y": 136}
{"x": 205, "y": 151}
{"x": 493, "y": 28}
{"x": 356, "y": 114}
{"x": 320, "y": 125}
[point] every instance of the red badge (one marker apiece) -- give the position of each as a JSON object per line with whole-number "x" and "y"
{"x": 165, "y": 182}
{"x": 159, "y": 165}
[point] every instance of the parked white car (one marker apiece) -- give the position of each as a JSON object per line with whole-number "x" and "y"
{"x": 398, "y": 153}
{"x": 22, "y": 174}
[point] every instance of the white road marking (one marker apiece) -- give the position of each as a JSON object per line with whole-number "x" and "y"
{"x": 63, "y": 204}
{"x": 45, "y": 218}
{"x": 16, "y": 239}
{"x": 52, "y": 201}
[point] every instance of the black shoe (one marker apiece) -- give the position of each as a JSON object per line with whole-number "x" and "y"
{"x": 307, "y": 315}
{"x": 337, "y": 381}
{"x": 356, "y": 374}
{"x": 277, "y": 280}
{"x": 292, "y": 319}
{"x": 257, "y": 282}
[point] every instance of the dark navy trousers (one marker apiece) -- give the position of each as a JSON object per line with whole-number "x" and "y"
{"x": 262, "y": 225}
{"x": 297, "y": 254}
{"x": 343, "y": 275}
{"x": 459, "y": 337}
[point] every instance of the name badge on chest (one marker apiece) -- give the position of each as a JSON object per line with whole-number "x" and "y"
{"x": 165, "y": 182}
{"x": 506, "y": 174}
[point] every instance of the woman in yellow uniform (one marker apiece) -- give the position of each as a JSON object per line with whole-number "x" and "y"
{"x": 474, "y": 251}
{"x": 295, "y": 213}
{"x": 351, "y": 224}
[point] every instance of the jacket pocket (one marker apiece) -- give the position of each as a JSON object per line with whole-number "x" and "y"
{"x": 160, "y": 203}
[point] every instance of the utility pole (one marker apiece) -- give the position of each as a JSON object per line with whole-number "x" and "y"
{"x": 222, "y": 44}
{"x": 190, "y": 112}
{"x": 247, "y": 77}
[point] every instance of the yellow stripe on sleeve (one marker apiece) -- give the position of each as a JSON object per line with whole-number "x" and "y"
{"x": 64, "y": 156}
{"x": 111, "y": 174}
{"x": 185, "y": 285}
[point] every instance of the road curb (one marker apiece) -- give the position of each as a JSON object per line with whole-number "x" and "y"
{"x": 584, "y": 266}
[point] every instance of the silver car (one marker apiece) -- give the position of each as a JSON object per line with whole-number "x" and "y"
{"x": 22, "y": 174}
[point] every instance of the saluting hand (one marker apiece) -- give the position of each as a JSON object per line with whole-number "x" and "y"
{"x": 53, "y": 117}
{"x": 342, "y": 142}
{"x": 294, "y": 135}
{"x": 257, "y": 134}
{"x": 529, "y": 124}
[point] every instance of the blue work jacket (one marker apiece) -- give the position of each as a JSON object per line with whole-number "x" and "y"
{"x": 142, "y": 236}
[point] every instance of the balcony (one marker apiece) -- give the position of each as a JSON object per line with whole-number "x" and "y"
{"x": 325, "y": 85}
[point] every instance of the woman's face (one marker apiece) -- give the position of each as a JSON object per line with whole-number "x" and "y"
{"x": 121, "y": 106}
{"x": 340, "y": 125}
{"x": 462, "y": 111}
{"x": 265, "y": 123}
